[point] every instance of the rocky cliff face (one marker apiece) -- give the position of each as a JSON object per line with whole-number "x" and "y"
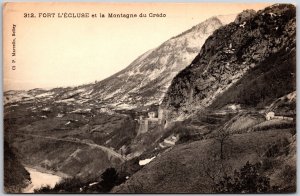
{"x": 254, "y": 41}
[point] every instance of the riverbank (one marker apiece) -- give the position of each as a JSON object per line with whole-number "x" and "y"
{"x": 41, "y": 177}
{"x": 43, "y": 170}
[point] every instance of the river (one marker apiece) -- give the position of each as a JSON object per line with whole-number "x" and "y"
{"x": 40, "y": 179}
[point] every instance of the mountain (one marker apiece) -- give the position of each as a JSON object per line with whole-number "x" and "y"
{"x": 233, "y": 109}
{"x": 147, "y": 78}
{"x": 219, "y": 107}
{"x": 144, "y": 82}
{"x": 77, "y": 131}
{"x": 250, "y": 62}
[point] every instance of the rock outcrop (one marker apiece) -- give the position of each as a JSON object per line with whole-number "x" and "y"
{"x": 244, "y": 16}
{"x": 250, "y": 43}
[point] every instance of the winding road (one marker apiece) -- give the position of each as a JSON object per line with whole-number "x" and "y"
{"x": 76, "y": 140}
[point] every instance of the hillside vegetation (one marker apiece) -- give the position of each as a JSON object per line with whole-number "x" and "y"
{"x": 227, "y": 123}
{"x": 15, "y": 175}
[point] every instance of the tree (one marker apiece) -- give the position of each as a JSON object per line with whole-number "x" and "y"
{"x": 214, "y": 169}
{"x": 109, "y": 179}
{"x": 248, "y": 180}
{"x": 222, "y": 137}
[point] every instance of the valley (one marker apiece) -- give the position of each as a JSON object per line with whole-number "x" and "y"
{"x": 212, "y": 110}
{"x": 83, "y": 156}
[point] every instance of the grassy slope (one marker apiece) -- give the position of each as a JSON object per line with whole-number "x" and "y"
{"x": 73, "y": 159}
{"x": 67, "y": 157}
{"x": 181, "y": 170}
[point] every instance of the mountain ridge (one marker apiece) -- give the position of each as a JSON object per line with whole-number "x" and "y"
{"x": 227, "y": 55}
{"x": 146, "y": 79}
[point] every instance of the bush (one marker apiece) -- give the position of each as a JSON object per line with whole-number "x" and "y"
{"x": 67, "y": 185}
{"x": 280, "y": 147}
{"x": 109, "y": 179}
{"x": 288, "y": 174}
{"x": 247, "y": 180}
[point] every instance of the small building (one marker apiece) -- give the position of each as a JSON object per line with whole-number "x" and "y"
{"x": 270, "y": 115}
{"x": 169, "y": 141}
{"x": 160, "y": 113}
{"x": 144, "y": 126}
{"x": 152, "y": 114}
{"x": 234, "y": 107}
{"x": 46, "y": 109}
{"x": 59, "y": 115}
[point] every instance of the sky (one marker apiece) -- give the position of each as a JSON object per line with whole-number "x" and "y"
{"x": 58, "y": 52}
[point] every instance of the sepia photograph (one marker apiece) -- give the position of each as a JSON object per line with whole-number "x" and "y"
{"x": 149, "y": 97}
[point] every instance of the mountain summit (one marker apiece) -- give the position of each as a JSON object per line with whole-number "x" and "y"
{"x": 147, "y": 78}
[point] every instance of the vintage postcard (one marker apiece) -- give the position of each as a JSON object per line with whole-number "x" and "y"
{"x": 149, "y": 97}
